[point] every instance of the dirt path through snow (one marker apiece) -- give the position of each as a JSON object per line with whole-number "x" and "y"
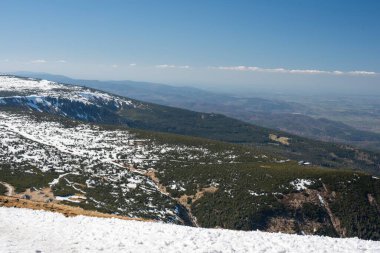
{"x": 10, "y": 189}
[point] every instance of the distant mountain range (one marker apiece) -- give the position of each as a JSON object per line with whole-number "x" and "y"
{"x": 154, "y": 117}
{"x": 291, "y": 117}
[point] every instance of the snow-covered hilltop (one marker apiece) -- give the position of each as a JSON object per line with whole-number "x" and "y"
{"x": 16, "y": 84}
{"x": 31, "y": 86}
{"x": 23, "y": 230}
{"x": 59, "y": 99}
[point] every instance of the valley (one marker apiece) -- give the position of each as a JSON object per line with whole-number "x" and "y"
{"x": 59, "y": 149}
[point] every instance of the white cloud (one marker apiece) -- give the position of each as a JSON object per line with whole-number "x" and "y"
{"x": 115, "y": 66}
{"x": 166, "y": 66}
{"x": 132, "y": 64}
{"x": 38, "y": 61}
{"x": 359, "y": 72}
{"x": 61, "y": 61}
{"x": 294, "y": 71}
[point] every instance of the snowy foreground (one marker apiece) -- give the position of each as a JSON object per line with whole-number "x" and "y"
{"x": 24, "y": 230}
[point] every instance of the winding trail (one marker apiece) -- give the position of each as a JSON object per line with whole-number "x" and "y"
{"x": 187, "y": 217}
{"x": 10, "y": 189}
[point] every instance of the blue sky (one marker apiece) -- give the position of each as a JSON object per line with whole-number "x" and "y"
{"x": 220, "y": 43}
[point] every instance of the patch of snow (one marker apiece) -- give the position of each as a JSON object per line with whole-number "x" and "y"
{"x": 321, "y": 199}
{"x": 132, "y": 185}
{"x": 301, "y": 184}
{"x": 71, "y": 198}
{"x": 56, "y": 180}
{"x": 37, "y": 94}
{"x": 253, "y": 193}
{"x": 24, "y": 230}
{"x": 19, "y": 84}
{"x": 304, "y": 163}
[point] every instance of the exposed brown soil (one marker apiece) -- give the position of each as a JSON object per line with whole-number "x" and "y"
{"x": 39, "y": 195}
{"x": 310, "y": 227}
{"x": 68, "y": 211}
{"x": 296, "y": 200}
{"x": 184, "y": 199}
{"x": 44, "y": 199}
{"x": 280, "y": 139}
{"x": 42, "y": 195}
{"x": 283, "y": 225}
{"x": 151, "y": 173}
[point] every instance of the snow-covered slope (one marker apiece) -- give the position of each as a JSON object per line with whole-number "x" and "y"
{"x": 65, "y": 100}
{"x": 44, "y": 88}
{"x": 112, "y": 158}
{"x": 9, "y": 83}
{"x": 23, "y": 230}
{"x": 84, "y": 158}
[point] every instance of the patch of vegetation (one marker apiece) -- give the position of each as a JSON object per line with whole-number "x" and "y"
{"x": 66, "y": 185}
{"x": 219, "y": 127}
{"x": 315, "y": 212}
{"x": 25, "y": 176}
{"x": 250, "y": 194}
{"x": 353, "y": 206}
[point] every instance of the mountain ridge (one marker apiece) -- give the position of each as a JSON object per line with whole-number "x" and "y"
{"x": 276, "y": 114}
{"x": 153, "y": 117}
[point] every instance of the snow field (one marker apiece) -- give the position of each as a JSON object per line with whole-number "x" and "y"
{"x": 24, "y": 230}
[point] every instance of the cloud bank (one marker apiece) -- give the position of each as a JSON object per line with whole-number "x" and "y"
{"x": 295, "y": 71}
{"x": 38, "y": 61}
{"x": 167, "y": 66}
